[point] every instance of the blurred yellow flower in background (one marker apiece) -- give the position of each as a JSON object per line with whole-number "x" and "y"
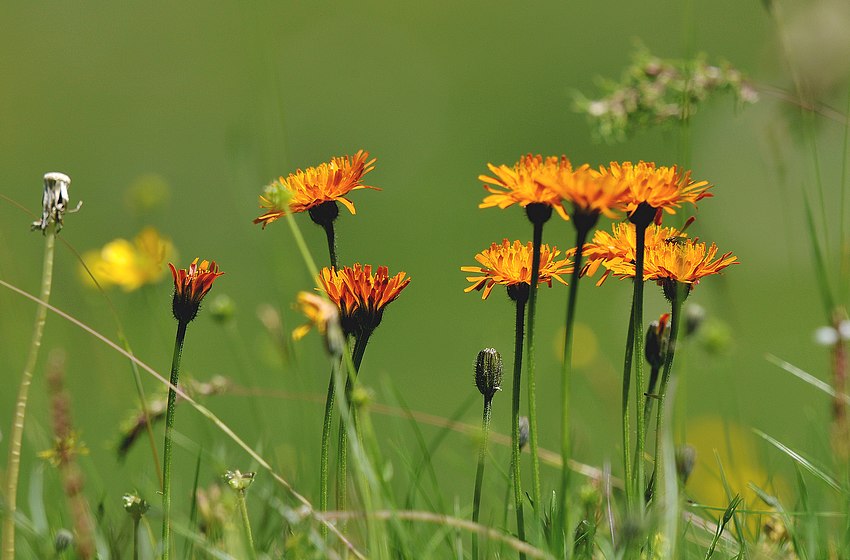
{"x": 129, "y": 265}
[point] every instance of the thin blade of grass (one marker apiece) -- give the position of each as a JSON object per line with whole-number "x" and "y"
{"x": 821, "y": 272}
{"x": 728, "y": 515}
{"x": 802, "y": 461}
{"x": 739, "y": 530}
{"x": 807, "y": 377}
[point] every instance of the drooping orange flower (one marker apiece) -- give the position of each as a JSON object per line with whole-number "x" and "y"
{"x": 361, "y": 296}
{"x": 190, "y": 287}
{"x": 619, "y": 247}
{"x": 662, "y": 188}
{"x": 589, "y": 191}
{"x": 525, "y": 183}
{"x": 327, "y": 182}
{"x": 509, "y": 264}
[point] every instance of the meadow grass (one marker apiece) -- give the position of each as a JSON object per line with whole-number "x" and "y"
{"x": 389, "y": 502}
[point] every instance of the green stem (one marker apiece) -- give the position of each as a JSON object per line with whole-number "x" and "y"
{"x": 627, "y": 437}
{"x": 479, "y": 473}
{"x": 637, "y": 337}
{"x": 532, "y": 400}
{"x": 246, "y": 525}
{"x": 329, "y": 232}
{"x": 515, "y": 466}
{"x": 566, "y": 372}
{"x": 342, "y": 446}
{"x": 675, "y": 319}
{"x": 136, "y": 538}
{"x": 16, "y": 436}
{"x": 650, "y": 394}
{"x": 169, "y": 427}
{"x": 326, "y": 439}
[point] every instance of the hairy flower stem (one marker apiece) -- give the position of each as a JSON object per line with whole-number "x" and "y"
{"x": 582, "y": 230}
{"x": 327, "y": 424}
{"x": 16, "y": 435}
{"x": 651, "y": 394}
{"x": 627, "y": 431}
{"x": 479, "y": 473}
{"x": 517, "y": 385}
{"x": 342, "y": 446}
{"x": 536, "y": 492}
{"x": 169, "y": 427}
{"x": 136, "y": 538}
{"x": 331, "y": 235}
{"x": 679, "y": 294}
{"x": 637, "y": 355}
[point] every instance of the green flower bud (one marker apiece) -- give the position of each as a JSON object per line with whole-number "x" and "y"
{"x": 488, "y": 372}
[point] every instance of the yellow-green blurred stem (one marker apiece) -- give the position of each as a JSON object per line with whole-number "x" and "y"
{"x": 17, "y": 432}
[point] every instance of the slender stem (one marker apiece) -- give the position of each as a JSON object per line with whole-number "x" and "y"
{"x": 675, "y": 319}
{"x": 342, "y": 446}
{"x": 650, "y": 395}
{"x": 326, "y": 439}
{"x": 520, "y": 327}
{"x": 246, "y": 525}
{"x": 637, "y": 337}
{"x": 627, "y": 437}
{"x": 329, "y": 232}
{"x": 136, "y": 538}
{"x": 479, "y": 473}
{"x": 532, "y": 399}
{"x": 566, "y": 374}
{"x": 16, "y": 436}
{"x": 169, "y": 427}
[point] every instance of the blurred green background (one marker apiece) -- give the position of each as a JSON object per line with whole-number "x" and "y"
{"x": 216, "y": 100}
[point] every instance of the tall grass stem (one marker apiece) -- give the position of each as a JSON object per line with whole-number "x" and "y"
{"x": 16, "y": 435}
{"x": 246, "y": 525}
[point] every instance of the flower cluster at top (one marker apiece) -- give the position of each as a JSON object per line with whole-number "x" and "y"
{"x": 640, "y": 191}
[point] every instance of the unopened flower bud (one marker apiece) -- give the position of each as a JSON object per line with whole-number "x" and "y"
{"x": 488, "y": 372}
{"x": 222, "y": 308}
{"x": 657, "y": 341}
{"x": 694, "y": 318}
{"x": 135, "y": 506}
{"x": 63, "y": 540}
{"x": 686, "y": 459}
{"x": 523, "y": 431}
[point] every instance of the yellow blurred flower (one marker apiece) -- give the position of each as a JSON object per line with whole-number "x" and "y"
{"x": 129, "y": 265}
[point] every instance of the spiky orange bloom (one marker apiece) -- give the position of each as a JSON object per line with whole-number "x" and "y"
{"x": 362, "y": 296}
{"x": 525, "y": 183}
{"x": 589, "y": 191}
{"x": 190, "y": 287}
{"x": 327, "y": 182}
{"x": 662, "y": 188}
{"x": 509, "y": 264}
{"x": 670, "y": 256}
{"x": 611, "y": 249}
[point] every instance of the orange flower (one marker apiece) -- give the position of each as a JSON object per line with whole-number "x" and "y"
{"x": 525, "y": 183}
{"x": 611, "y": 249}
{"x": 670, "y": 256}
{"x": 510, "y": 265}
{"x": 362, "y": 296}
{"x": 328, "y": 182}
{"x": 590, "y": 192}
{"x": 190, "y": 287}
{"x": 662, "y": 188}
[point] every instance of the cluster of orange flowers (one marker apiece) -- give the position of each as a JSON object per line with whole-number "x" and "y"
{"x": 585, "y": 193}
{"x": 359, "y": 295}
